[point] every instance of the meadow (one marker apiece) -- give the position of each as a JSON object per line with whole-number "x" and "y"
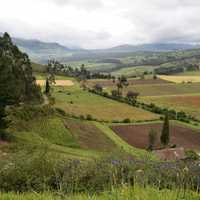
{"x": 77, "y": 102}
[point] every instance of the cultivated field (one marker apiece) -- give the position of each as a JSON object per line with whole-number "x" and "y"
{"x": 187, "y": 103}
{"x": 78, "y": 102}
{"x": 181, "y": 79}
{"x": 131, "y": 81}
{"x": 88, "y": 136}
{"x": 137, "y": 135}
{"x": 160, "y": 89}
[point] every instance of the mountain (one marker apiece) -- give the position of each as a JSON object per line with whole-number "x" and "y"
{"x": 41, "y": 52}
{"x": 153, "y": 47}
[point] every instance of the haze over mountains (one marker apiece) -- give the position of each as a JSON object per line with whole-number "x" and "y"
{"x": 40, "y": 51}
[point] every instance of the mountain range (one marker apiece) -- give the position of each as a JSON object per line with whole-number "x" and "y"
{"x": 40, "y": 51}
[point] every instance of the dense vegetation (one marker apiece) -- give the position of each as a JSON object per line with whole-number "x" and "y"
{"x": 17, "y": 83}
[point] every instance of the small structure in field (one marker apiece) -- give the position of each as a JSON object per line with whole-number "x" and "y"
{"x": 171, "y": 153}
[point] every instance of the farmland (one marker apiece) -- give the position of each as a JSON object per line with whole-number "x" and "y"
{"x": 187, "y": 103}
{"x": 137, "y": 135}
{"x": 181, "y": 79}
{"x": 75, "y": 101}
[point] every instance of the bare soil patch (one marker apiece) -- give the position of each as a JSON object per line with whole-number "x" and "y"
{"x": 58, "y": 82}
{"x": 137, "y": 135}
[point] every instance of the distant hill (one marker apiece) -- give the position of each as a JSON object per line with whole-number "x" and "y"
{"x": 41, "y": 52}
{"x": 153, "y": 47}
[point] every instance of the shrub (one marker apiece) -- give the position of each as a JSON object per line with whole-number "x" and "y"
{"x": 127, "y": 120}
{"x": 60, "y": 111}
{"x": 192, "y": 155}
{"x": 89, "y": 117}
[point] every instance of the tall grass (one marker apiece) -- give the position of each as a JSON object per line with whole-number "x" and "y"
{"x": 123, "y": 193}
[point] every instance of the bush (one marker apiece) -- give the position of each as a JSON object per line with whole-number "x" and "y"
{"x": 89, "y": 117}
{"x": 192, "y": 155}
{"x": 60, "y": 111}
{"x": 127, "y": 121}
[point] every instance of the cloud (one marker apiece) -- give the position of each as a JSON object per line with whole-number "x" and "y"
{"x": 80, "y": 4}
{"x": 103, "y": 23}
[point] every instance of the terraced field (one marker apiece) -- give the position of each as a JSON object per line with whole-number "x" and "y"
{"x": 75, "y": 101}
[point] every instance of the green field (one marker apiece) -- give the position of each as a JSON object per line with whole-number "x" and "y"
{"x": 75, "y": 101}
{"x": 133, "y": 71}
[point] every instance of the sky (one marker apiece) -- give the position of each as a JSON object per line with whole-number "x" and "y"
{"x": 102, "y": 23}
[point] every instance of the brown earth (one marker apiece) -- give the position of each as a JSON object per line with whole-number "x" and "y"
{"x": 89, "y": 136}
{"x": 137, "y": 135}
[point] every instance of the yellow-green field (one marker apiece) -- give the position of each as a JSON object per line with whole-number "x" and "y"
{"x": 181, "y": 79}
{"x": 78, "y": 102}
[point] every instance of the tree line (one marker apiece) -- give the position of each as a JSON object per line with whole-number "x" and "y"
{"x": 17, "y": 83}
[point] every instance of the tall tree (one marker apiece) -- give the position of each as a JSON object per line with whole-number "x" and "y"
{"x": 165, "y": 137}
{"x": 17, "y": 83}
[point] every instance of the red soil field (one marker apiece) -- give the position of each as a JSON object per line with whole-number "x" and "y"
{"x": 137, "y": 135}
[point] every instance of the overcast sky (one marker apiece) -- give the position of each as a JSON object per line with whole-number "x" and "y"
{"x": 102, "y": 23}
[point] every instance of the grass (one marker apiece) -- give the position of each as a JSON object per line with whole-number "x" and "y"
{"x": 54, "y": 133}
{"x": 187, "y": 103}
{"x": 189, "y": 73}
{"x": 133, "y": 71}
{"x": 78, "y": 102}
{"x": 123, "y": 193}
{"x": 43, "y": 76}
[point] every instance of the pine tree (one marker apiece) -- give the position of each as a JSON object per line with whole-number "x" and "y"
{"x": 165, "y": 132}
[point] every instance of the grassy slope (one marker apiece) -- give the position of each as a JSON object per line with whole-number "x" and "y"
{"x": 125, "y": 193}
{"x": 78, "y": 102}
{"x": 122, "y": 144}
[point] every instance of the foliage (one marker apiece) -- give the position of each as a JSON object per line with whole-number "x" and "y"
{"x": 152, "y": 139}
{"x": 165, "y": 137}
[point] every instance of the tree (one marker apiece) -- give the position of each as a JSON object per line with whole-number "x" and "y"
{"x": 47, "y": 87}
{"x": 132, "y": 96}
{"x": 98, "y": 88}
{"x": 164, "y": 138}
{"x": 152, "y": 139}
